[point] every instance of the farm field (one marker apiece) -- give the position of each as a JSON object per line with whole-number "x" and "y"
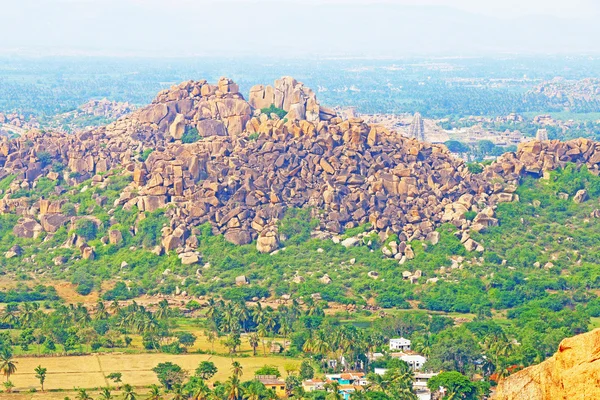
{"x": 90, "y": 371}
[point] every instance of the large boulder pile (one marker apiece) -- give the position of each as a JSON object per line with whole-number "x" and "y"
{"x": 248, "y": 168}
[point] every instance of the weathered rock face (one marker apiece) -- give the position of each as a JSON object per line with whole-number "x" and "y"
{"x": 292, "y": 96}
{"x": 573, "y": 373}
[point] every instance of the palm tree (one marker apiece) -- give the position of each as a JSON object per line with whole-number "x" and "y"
{"x": 233, "y": 389}
{"x": 101, "y": 312}
{"x": 254, "y": 340}
{"x": 178, "y": 392}
{"x": 254, "y": 391}
{"x": 163, "y": 310}
{"x": 105, "y": 394}
{"x": 243, "y": 314}
{"x": 284, "y": 330}
{"x": 7, "y": 364}
{"x": 258, "y": 314}
{"x": 154, "y": 393}
{"x": 115, "y": 307}
{"x": 262, "y": 332}
{"x": 358, "y": 395}
{"x": 83, "y": 395}
{"x": 128, "y": 393}
{"x": 334, "y": 389}
{"x": 237, "y": 369}
{"x": 9, "y": 316}
{"x": 201, "y": 391}
{"x": 40, "y": 373}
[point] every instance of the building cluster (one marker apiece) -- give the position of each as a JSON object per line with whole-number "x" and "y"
{"x": 350, "y": 382}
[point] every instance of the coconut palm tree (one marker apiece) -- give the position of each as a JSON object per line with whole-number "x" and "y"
{"x": 115, "y": 307}
{"x": 7, "y": 365}
{"x": 254, "y": 391}
{"x": 262, "y": 332}
{"x": 237, "y": 369}
{"x": 10, "y": 314}
{"x": 163, "y": 310}
{"x": 105, "y": 394}
{"x": 334, "y": 391}
{"x": 258, "y": 314}
{"x": 154, "y": 393}
{"x": 233, "y": 389}
{"x": 82, "y": 394}
{"x": 254, "y": 340}
{"x": 128, "y": 393}
{"x": 201, "y": 391}
{"x": 178, "y": 392}
{"x": 101, "y": 312}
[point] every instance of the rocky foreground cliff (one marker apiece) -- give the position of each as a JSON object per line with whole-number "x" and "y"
{"x": 573, "y": 373}
{"x": 249, "y": 167}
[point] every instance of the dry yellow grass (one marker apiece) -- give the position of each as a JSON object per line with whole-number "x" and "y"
{"x": 90, "y": 371}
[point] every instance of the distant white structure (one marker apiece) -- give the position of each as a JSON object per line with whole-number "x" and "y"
{"x": 400, "y": 344}
{"x": 415, "y": 361}
{"x": 541, "y": 135}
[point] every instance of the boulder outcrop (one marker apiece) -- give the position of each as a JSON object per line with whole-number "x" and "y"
{"x": 573, "y": 373}
{"x": 248, "y": 168}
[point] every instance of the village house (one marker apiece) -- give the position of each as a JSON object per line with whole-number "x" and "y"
{"x": 401, "y": 344}
{"x": 273, "y": 382}
{"x": 348, "y": 378}
{"x": 414, "y": 360}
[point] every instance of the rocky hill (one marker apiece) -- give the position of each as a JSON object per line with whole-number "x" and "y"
{"x": 573, "y": 373}
{"x": 207, "y": 155}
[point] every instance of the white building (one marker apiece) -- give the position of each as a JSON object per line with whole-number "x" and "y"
{"x": 400, "y": 344}
{"x": 415, "y": 361}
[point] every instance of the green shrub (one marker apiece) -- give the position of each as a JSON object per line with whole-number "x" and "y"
{"x": 145, "y": 154}
{"x": 475, "y": 168}
{"x": 274, "y": 110}
{"x": 86, "y": 229}
{"x": 191, "y": 135}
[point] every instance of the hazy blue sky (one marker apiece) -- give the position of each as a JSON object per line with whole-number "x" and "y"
{"x": 387, "y": 28}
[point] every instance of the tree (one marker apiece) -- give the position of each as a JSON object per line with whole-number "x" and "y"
{"x": 40, "y": 374}
{"x": 306, "y": 370}
{"x": 457, "y": 386}
{"x": 254, "y": 340}
{"x": 128, "y": 393}
{"x": 237, "y": 369}
{"x": 206, "y": 370}
{"x": 115, "y": 377}
{"x": 334, "y": 391}
{"x": 7, "y": 365}
{"x": 268, "y": 370}
{"x": 105, "y": 394}
{"x": 197, "y": 388}
{"x": 154, "y": 393}
{"x": 169, "y": 374}
{"x": 186, "y": 339}
{"x": 254, "y": 391}
{"x": 455, "y": 349}
{"x": 82, "y": 394}
{"x": 211, "y": 336}
{"x": 233, "y": 388}
{"x": 292, "y": 382}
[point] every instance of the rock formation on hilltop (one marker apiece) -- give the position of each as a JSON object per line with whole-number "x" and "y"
{"x": 248, "y": 168}
{"x": 573, "y": 373}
